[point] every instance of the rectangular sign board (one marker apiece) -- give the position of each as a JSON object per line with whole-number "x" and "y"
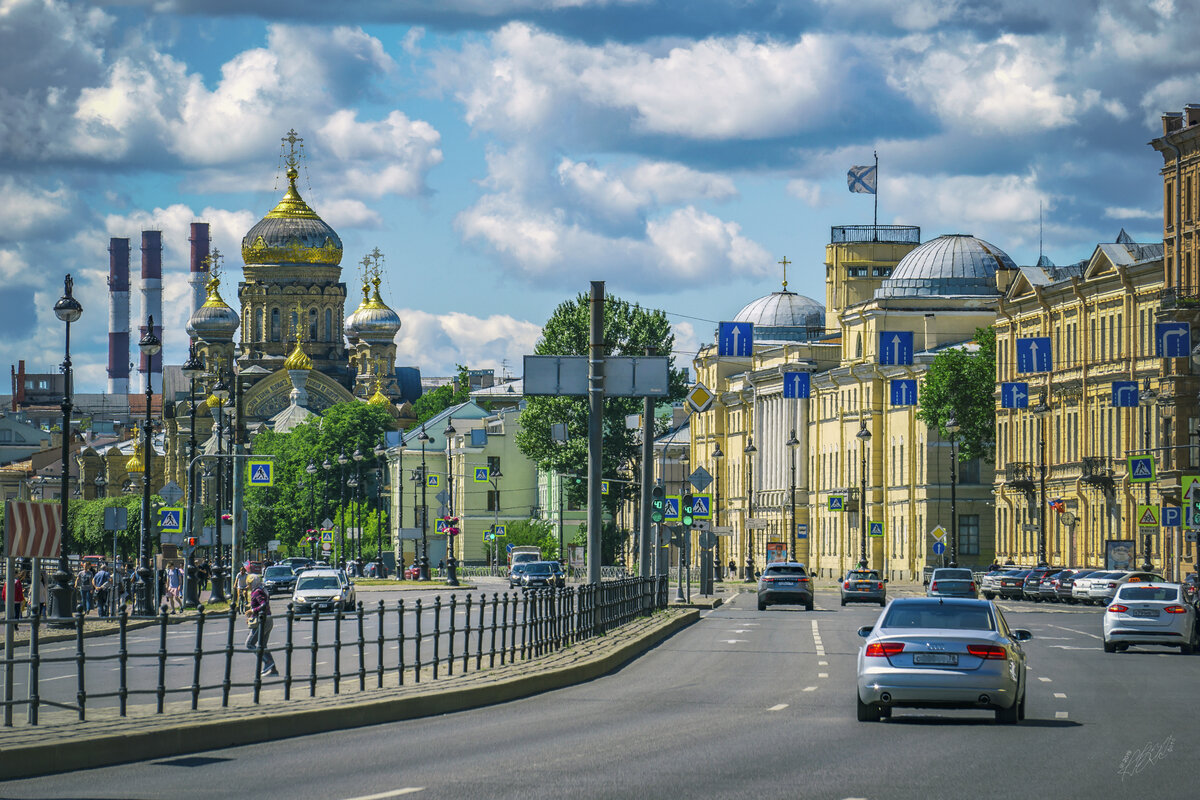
{"x": 636, "y": 376}
{"x": 556, "y": 375}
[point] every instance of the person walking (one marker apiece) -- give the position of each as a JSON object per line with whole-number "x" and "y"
{"x": 85, "y": 586}
{"x": 175, "y": 588}
{"x": 18, "y": 596}
{"x": 240, "y": 582}
{"x": 102, "y": 584}
{"x": 258, "y": 618}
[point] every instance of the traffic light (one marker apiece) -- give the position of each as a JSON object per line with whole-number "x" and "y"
{"x": 686, "y": 510}
{"x": 658, "y": 504}
{"x": 190, "y": 541}
{"x": 576, "y": 480}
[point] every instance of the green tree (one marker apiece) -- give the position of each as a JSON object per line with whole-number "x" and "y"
{"x": 628, "y": 331}
{"x": 530, "y": 533}
{"x": 85, "y": 520}
{"x": 432, "y": 403}
{"x": 961, "y": 384}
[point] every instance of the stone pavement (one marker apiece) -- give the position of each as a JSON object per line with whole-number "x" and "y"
{"x": 63, "y": 743}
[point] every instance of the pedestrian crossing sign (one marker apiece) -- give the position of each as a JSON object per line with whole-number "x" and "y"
{"x": 671, "y": 513}
{"x": 603, "y": 487}
{"x": 876, "y": 529}
{"x": 481, "y": 474}
{"x": 1141, "y": 469}
{"x": 701, "y": 506}
{"x": 327, "y": 537}
{"x": 170, "y": 520}
{"x": 837, "y": 502}
{"x": 1147, "y": 516}
{"x": 261, "y": 473}
{"x": 500, "y": 530}
{"x": 431, "y": 481}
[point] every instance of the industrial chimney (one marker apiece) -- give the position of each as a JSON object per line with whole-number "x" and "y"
{"x": 118, "y": 317}
{"x": 151, "y": 300}
{"x": 198, "y": 274}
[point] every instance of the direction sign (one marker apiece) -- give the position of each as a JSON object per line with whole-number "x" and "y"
{"x": 262, "y": 473}
{"x": 904, "y": 391}
{"x": 1172, "y": 517}
{"x": 939, "y": 547}
{"x": 671, "y": 512}
{"x": 797, "y": 385}
{"x": 722, "y": 530}
{"x": 481, "y": 474}
{"x": 1033, "y": 354}
{"x": 701, "y": 506}
{"x": 895, "y": 348}
{"x": 273, "y": 545}
{"x": 700, "y": 398}
{"x": 327, "y": 523}
{"x": 837, "y": 502}
{"x": 756, "y": 524}
{"x": 508, "y": 548}
{"x": 1014, "y": 394}
{"x": 1191, "y": 497}
{"x": 1172, "y": 339}
{"x": 1124, "y": 394}
{"x": 875, "y": 528}
{"x": 1147, "y": 516}
{"x": 116, "y": 518}
{"x": 700, "y": 479}
{"x": 938, "y": 533}
{"x": 171, "y": 492}
{"x": 442, "y": 497}
{"x": 801, "y": 530}
{"x": 1141, "y": 469}
{"x": 735, "y": 338}
{"x": 170, "y": 520}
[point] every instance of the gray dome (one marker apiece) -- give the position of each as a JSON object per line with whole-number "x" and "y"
{"x": 214, "y": 321}
{"x": 952, "y": 265}
{"x": 784, "y": 317}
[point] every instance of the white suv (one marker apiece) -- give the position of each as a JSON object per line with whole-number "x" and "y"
{"x": 323, "y": 590}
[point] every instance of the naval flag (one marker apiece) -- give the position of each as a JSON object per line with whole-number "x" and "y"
{"x": 862, "y": 179}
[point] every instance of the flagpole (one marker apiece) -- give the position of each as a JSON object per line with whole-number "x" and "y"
{"x": 876, "y": 188}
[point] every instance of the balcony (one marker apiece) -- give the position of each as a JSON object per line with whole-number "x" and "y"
{"x": 1098, "y": 471}
{"x": 1019, "y": 476}
{"x": 1187, "y": 297}
{"x": 886, "y": 234}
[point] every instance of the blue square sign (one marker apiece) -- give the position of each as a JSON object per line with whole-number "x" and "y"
{"x": 1172, "y": 339}
{"x": 797, "y": 385}
{"x": 1124, "y": 394}
{"x": 735, "y": 338}
{"x": 1014, "y": 394}
{"x": 895, "y": 348}
{"x": 904, "y": 391}
{"x": 1033, "y": 354}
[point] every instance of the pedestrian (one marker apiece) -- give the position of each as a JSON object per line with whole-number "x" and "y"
{"x": 84, "y": 586}
{"x": 240, "y": 581}
{"x": 732, "y": 568}
{"x": 258, "y": 618}
{"x": 441, "y": 566}
{"x": 18, "y": 597}
{"x": 202, "y": 573}
{"x": 42, "y": 597}
{"x": 102, "y": 583}
{"x": 175, "y": 588}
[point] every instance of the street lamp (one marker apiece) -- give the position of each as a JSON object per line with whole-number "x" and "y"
{"x": 423, "y": 437}
{"x": 358, "y": 457}
{"x": 311, "y": 471}
{"x": 342, "y": 461}
{"x": 952, "y": 429}
{"x": 215, "y": 405}
{"x": 864, "y": 438}
{"x": 1040, "y": 411}
{"x": 717, "y": 455}
{"x": 68, "y": 310}
{"x": 494, "y": 479}
{"x": 451, "y": 563}
{"x": 1147, "y": 398}
{"x": 749, "y": 453}
{"x": 149, "y": 345}
{"x": 380, "y": 452}
{"x": 792, "y": 444}
{"x": 192, "y": 369}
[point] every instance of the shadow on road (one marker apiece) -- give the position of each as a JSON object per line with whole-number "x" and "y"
{"x": 981, "y": 721}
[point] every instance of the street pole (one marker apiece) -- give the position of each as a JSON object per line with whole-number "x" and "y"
{"x": 424, "y": 573}
{"x": 749, "y": 453}
{"x": 192, "y": 369}
{"x": 380, "y": 458}
{"x": 792, "y": 443}
{"x": 68, "y": 310}
{"x": 494, "y": 480}
{"x": 595, "y": 519}
{"x": 952, "y": 429}
{"x": 451, "y": 563}
{"x": 719, "y": 568}
{"x": 562, "y": 553}
{"x": 237, "y": 536}
{"x": 220, "y": 392}
{"x": 149, "y": 345}
{"x": 1147, "y": 397}
{"x": 340, "y": 559}
{"x": 864, "y": 438}
{"x": 358, "y": 511}
{"x": 644, "y": 543}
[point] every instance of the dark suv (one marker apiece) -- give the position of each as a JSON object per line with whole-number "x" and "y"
{"x": 1011, "y": 584}
{"x": 785, "y": 582}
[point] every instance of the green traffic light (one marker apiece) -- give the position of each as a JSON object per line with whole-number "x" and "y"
{"x": 658, "y": 504}
{"x": 686, "y": 510}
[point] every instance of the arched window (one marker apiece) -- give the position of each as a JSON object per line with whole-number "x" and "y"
{"x": 329, "y": 325}
{"x": 312, "y": 325}
{"x": 858, "y": 346}
{"x": 274, "y": 324}
{"x": 295, "y": 326}
{"x": 258, "y": 325}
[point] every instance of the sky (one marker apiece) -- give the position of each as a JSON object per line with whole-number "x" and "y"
{"x": 502, "y": 154}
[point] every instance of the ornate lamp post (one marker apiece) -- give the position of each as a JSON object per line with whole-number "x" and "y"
{"x": 313, "y": 526}
{"x": 192, "y": 369}
{"x": 749, "y": 453}
{"x": 1040, "y": 411}
{"x": 327, "y": 467}
{"x": 717, "y": 455}
{"x": 1147, "y": 398}
{"x": 68, "y": 310}
{"x": 494, "y": 479}
{"x": 423, "y": 437}
{"x": 149, "y": 345}
{"x": 221, "y": 394}
{"x": 357, "y": 508}
{"x": 792, "y": 444}
{"x": 380, "y": 452}
{"x": 864, "y": 437}
{"x": 952, "y": 429}
{"x": 451, "y": 563}
{"x": 342, "y": 461}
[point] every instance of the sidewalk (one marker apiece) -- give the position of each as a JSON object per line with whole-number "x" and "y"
{"x": 62, "y": 743}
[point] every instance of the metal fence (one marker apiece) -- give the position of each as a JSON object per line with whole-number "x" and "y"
{"x": 428, "y": 641}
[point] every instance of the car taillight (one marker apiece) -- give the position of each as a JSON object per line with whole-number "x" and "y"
{"x": 767, "y": 579}
{"x": 1112, "y": 586}
{"x": 880, "y": 585}
{"x": 933, "y": 586}
{"x": 846, "y": 585}
{"x": 987, "y": 650}
{"x": 972, "y": 586}
{"x": 1117, "y": 608}
{"x": 804, "y": 580}
{"x": 885, "y": 649}
{"x": 1175, "y": 610}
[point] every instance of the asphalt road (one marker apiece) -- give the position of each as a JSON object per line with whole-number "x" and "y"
{"x": 743, "y": 704}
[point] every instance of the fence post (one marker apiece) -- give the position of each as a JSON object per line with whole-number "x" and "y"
{"x": 162, "y": 658}
{"x": 466, "y": 633}
{"x": 400, "y": 639}
{"x": 362, "y": 651}
{"x": 437, "y": 632}
{"x": 287, "y": 653}
{"x": 312, "y": 674}
{"x": 197, "y": 654}
{"x": 228, "y": 657}
{"x": 337, "y": 650}
{"x": 524, "y": 626}
{"x": 379, "y": 642}
{"x": 259, "y": 644}
{"x": 35, "y": 658}
{"x": 122, "y": 658}
{"x": 503, "y": 630}
{"x": 417, "y": 643}
{"x": 450, "y": 638}
{"x": 479, "y": 639}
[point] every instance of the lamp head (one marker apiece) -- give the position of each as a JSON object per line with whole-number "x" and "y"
{"x": 68, "y": 309}
{"x": 952, "y": 425}
{"x": 311, "y": 469}
{"x": 717, "y": 454}
{"x": 863, "y": 434}
{"x": 750, "y": 449}
{"x": 192, "y": 368}
{"x": 793, "y": 442}
{"x": 150, "y": 344}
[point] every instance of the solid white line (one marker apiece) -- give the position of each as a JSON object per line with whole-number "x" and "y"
{"x": 810, "y": 688}
{"x": 393, "y": 793}
{"x": 56, "y": 678}
{"x": 1072, "y": 630}
{"x": 1044, "y": 680}
{"x": 779, "y": 707}
{"x": 1060, "y": 695}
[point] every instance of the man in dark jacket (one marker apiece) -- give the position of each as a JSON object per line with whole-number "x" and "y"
{"x": 259, "y": 619}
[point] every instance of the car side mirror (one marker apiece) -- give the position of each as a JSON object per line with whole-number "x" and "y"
{"x": 1022, "y": 635}
{"x": 865, "y": 631}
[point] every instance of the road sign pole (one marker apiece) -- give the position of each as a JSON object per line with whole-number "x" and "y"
{"x": 644, "y": 550}
{"x": 595, "y": 430}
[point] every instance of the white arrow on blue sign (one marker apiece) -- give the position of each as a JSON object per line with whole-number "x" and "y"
{"x": 735, "y": 338}
{"x": 904, "y": 391}
{"x": 1033, "y": 354}
{"x": 1172, "y": 517}
{"x": 939, "y": 548}
{"x": 895, "y": 348}
{"x": 1014, "y": 394}
{"x": 1172, "y": 339}
{"x": 1124, "y": 394}
{"x": 797, "y": 385}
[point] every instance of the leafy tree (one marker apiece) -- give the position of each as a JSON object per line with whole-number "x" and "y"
{"x": 85, "y": 520}
{"x": 530, "y": 533}
{"x": 432, "y": 403}
{"x": 962, "y": 385}
{"x": 628, "y": 331}
{"x": 611, "y": 539}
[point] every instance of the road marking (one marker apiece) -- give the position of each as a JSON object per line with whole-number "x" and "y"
{"x": 1044, "y": 680}
{"x": 810, "y": 688}
{"x": 739, "y": 630}
{"x": 731, "y": 641}
{"x": 1060, "y": 715}
{"x": 1070, "y": 647}
{"x": 393, "y": 793}
{"x": 1072, "y": 630}
{"x": 56, "y": 678}
{"x": 1060, "y": 695}
{"x": 779, "y": 707}
{"x": 822, "y": 663}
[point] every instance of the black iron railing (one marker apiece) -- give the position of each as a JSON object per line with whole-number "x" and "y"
{"x": 1019, "y": 474}
{"x": 887, "y": 234}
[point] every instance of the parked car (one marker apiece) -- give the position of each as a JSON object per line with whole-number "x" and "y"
{"x": 864, "y": 586}
{"x": 926, "y": 652}
{"x": 296, "y": 563}
{"x": 1012, "y": 584}
{"x": 542, "y": 575}
{"x": 1048, "y": 586}
{"x": 1150, "y": 613}
{"x": 254, "y": 567}
{"x": 1102, "y": 591}
{"x": 989, "y": 584}
{"x": 1191, "y": 587}
{"x": 785, "y": 582}
{"x": 952, "y": 582}
{"x": 279, "y": 579}
{"x": 516, "y": 573}
{"x": 1066, "y": 584}
{"x": 323, "y": 590}
{"x": 1031, "y": 590}
{"x": 1082, "y": 587}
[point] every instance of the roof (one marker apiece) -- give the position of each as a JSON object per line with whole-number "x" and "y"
{"x": 434, "y": 426}
{"x": 955, "y": 265}
{"x": 784, "y": 316}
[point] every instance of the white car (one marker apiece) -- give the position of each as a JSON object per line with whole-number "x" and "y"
{"x": 1150, "y": 613}
{"x": 1102, "y": 590}
{"x": 1081, "y": 589}
{"x": 323, "y": 590}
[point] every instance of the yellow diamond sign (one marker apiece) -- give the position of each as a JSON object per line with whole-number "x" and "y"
{"x": 700, "y": 398}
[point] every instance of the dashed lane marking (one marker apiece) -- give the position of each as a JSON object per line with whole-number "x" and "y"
{"x": 392, "y": 793}
{"x": 1060, "y": 695}
{"x": 779, "y": 707}
{"x": 822, "y": 674}
{"x": 1060, "y": 715}
{"x": 1072, "y": 630}
{"x": 731, "y": 641}
{"x": 1044, "y": 680}
{"x": 822, "y": 663}
{"x": 810, "y": 688}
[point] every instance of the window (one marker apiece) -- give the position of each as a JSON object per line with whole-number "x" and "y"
{"x": 968, "y": 534}
{"x": 274, "y": 324}
{"x": 257, "y": 333}
{"x": 312, "y": 325}
{"x": 329, "y": 325}
{"x": 968, "y": 471}
{"x": 5, "y": 436}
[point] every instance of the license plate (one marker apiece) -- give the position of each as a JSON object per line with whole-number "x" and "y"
{"x": 1144, "y": 612}
{"x": 787, "y": 583}
{"x": 935, "y": 658}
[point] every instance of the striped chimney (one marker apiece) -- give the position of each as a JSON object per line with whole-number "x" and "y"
{"x": 198, "y": 269}
{"x": 151, "y": 300}
{"x": 118, "y": 317}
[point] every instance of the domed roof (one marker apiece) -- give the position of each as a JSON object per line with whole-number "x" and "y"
{"x": 373, "y": 320}
{"x": 379, "y": 398}
{"x": 292, "y": 234}
{"x": 134, "y": 463}
{"x": 952, "y": 265}
{"x": 784, "y": 316}
{"x": 298, "y": 359}
{"x": 214, "y": 321}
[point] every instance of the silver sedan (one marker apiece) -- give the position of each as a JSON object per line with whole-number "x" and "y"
{"x": 941, "y": 653}
{"x": 1150, "y": 613}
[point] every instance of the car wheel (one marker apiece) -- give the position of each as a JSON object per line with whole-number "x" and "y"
{"x": 1122, "y": 647}
{"x": 1021, "y": 707}
{"x": 866, "y": 711}
{"x": 762, "y": 606}
{"x": 1009, "y": 716}
{"x": 882, "y": 603}
{"x": 1186, "y": 649}
{"x": 843, "y": 603}
{"x": 808, "y": 606}
{"x": 1110, "y": 647}
{"x": 885, "y": 712}
{"x": 989, "y": 596}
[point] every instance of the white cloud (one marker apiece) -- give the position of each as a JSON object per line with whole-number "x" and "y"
{"x": 437, "y": 342}
{"x": 808, "y": 192}
{"x": 29, "y": 210}
{"x": 983, "y": 205}
{"x": 1117, "y": 212}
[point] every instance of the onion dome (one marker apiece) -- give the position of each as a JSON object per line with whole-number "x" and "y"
{"x": 784, "y": 317}
{"x": 213, "y": 401}
{"x": 350, "y": 326}
{"x": 214, "y": 321}
{"x": 292, "y": 234}
{"x": 379, "y": 398}
{"x": 948, "y": 266}
{"x": 374, "y": 321}
{"x": 298, "y": 359}
{"x": 134, "y": 465}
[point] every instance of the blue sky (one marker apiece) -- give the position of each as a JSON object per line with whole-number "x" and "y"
{"x": 504, "y": 153}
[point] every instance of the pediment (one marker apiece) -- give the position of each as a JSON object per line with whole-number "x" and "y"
{"x": 272, "y": 394}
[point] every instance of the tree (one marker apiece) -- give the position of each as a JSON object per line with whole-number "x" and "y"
{"x": 962, "y": 385}
{"x": 628, "y": 331}
{"x": 432, "y": 403}
{"x": 85, "y": 520}
{"x": 530, "y": 533}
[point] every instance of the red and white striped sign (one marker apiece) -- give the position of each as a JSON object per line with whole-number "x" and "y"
{"x": 32, "y": 530}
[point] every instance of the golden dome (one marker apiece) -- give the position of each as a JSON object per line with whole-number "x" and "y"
{"x": 292, "y": 233}
{"x": 213, "y": 401}
{"x": 379, "y": 398}
{"x": 298, "y": 359}
{"x": 134, "y": 463}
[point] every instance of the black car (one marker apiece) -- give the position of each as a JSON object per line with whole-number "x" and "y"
{"x": 1032, "y": 588}
{"x": 542, "y": 575}
{"x": 1048, "y": 587}
{"x": 279, "y": 579}
{"x": 1066, "y": 582}
{"x": 785, "y": 582}
{"x": 1011, "y": 585}
{"x": 516, "y": 573}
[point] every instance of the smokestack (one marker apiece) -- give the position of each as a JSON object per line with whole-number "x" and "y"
{"x": 151, "y": 300}
{"x": 118, "y": 317}
{"x": 198, "y": 275}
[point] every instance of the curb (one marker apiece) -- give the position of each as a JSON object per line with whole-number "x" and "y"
{"x": 64, "y": 754}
